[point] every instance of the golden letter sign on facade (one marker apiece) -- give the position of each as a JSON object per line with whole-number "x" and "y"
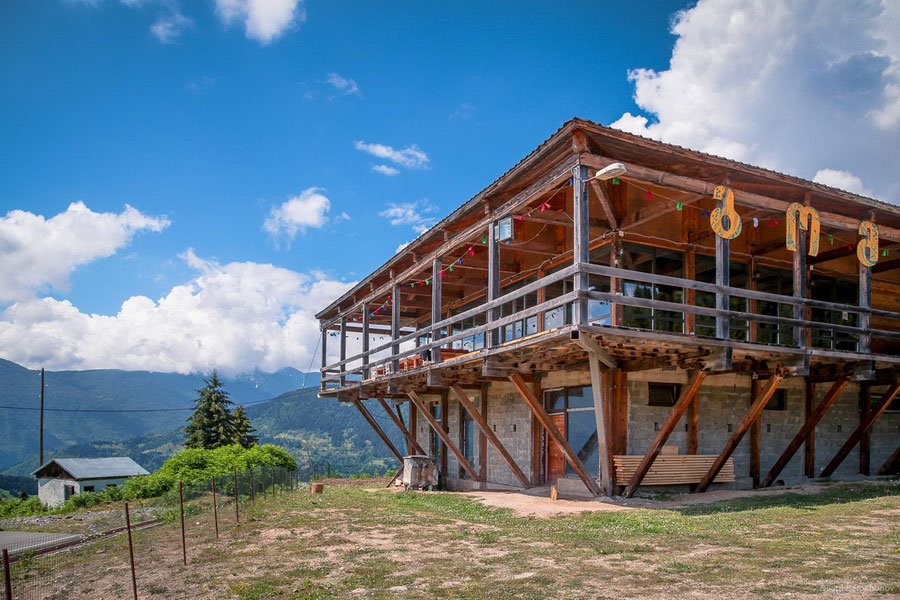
{"x": 867, "y": 249}
{"x": 717, "y": 217}
{"x": 808, "y": 219}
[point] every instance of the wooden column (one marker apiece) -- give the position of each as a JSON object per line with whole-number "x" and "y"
{"x": 690, "y": 296}
{"x": 616, "y": 311}
{"x": 492, "y": 336}
{"x": 809, "y": 425}
{"x": 753, "y": 332}
{"x": 537, "y": 439}
{"x": 445, "y": 419}
{"x": 693, "y": 423}
{"x": 755, "y": 436}
{"x": 742, "y": 428}
{"x": 413, "y": 421}
{"x": 384, "y": 438}
{"x": 864, "y": 427}
{"x": 324, "y": 357}
{"x": 482, "y": 438}
{"x": 865, "y": 301}
{"x": 488, "y": 433}
{"x": 687, "y": 396}
{"x": 580, "y": 239}
{"x": 602, "y": 417}
{"x": 365, "y": 339}
{"x": 395, "y": 327}
{"x": 343, "y": 347}
{"x": 541, "y": 297}
{"x": 799, "y": 286}
{"x": 410, "y": 439}
{"x": 616, "y": 402}
{"x": 723, "y": 277}
{"x": 809, "y": 445}
{"x": 436, "y": 281}
{"x": 535, "y": 405}
{"x": 865, "y": 442}
{"x": 444, "y": 436}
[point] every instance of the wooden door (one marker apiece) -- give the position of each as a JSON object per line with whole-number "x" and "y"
{"x": 555, "y": 459}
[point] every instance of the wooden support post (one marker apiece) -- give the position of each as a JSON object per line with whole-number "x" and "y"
{"x": 413, "y": 422}
{"x": 437, "y": 276}
{"x": 535, "y": 405}
{"x": 343, "y": 348}
{"x": 601, "y": 417}
{"x": 410, "y": 440}
{"x": 384, "y": 438}
{"x": 688, "y": 394}
{"x": 865, "y": 301}
{"x": 753, "y": 325}
{"x": 444, "y": 437}
{"x": 865, "y": 442}
{"x": 809, "y": 445}
{"x": 809, "y": 425}
{"x": 324, "y": 357}
{"x": 616, "y": 310}
{"x": 752, "y": 414}
{"x": 723, "y": 278}
{"x": 693, "y": 423}
{"x": 890, "y": 463}
{"x": 799, "y": 287}
{"x": 486, "y": 430}
{"x": 365, "y": 339}
{"x": 492, "y": 336}
{"x": 580, "y": 240}
{"x": 690, "y": 296}
{"x": 483, "y": 438}
{"x": 755, "y": 436}
{"x": 445, "y": 420}
{"x": 537, "y": 439}
{"x": 616, "y": 402}
{"x": 395, "y": 326}
{"x": 864, "y": 427}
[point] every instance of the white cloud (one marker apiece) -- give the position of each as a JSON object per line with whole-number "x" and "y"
{"x": 233, "y": 317}
{"x": 168, "y": 28}
{"x": 264, "y": 20}
{"x": 385, "y": 170}
{"x": 414, "y": 214}
{"x": 842, "y": 180}
{"x": 309, "y": 209}
{"x": 401, "y": 247}
{"x": 796, "y": 86}
{"x": 343, "y": 85}
{"x": 39, "y": 253}
{"x": 411, "y": 157}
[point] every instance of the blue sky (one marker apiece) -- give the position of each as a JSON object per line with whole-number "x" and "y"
{"x": 209, "y": 117}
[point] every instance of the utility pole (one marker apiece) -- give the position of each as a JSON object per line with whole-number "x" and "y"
{"x": 42, "y": 418}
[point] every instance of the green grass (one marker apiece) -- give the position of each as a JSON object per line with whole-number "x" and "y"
{"x": 350, "y": 542}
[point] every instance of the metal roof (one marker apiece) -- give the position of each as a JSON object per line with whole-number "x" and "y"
{"x": 97, "y": 468}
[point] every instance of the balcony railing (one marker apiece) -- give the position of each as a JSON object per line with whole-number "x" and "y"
{"x": 439, "y": 337}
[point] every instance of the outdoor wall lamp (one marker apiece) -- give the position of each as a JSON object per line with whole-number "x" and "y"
{"x": 610, "y": 171}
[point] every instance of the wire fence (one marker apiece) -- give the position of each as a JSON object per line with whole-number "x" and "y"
{"x": 136, "y": 538}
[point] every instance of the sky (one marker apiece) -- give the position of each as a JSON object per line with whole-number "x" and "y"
{"x": 184, "y": 184}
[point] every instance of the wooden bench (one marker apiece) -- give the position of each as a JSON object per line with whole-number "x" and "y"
{"x": 672, "y": 469}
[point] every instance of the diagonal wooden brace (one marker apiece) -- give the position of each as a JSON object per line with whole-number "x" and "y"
{"x": 889, "y": 463}
{"x": 688, "y": 394}
{"x": 808, "y": 426}
{"x": 863, "y": 428}
{"x": 378, "y": 430}
{"x": 535, "y": 405}
{"x": 414, "y": 398}
{"x": 406, "y": 433}
{"x": 753, "y": 413}
{"x": 485, "y": 428}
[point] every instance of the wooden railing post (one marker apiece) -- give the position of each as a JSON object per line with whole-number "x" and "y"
{"x": 324, "y": 350}
{"x": 492, "y": 336}
{"x": 365, "y": 338}
{"x": 437, "y": 276}
{"x": 580, "y": 239}
{"x": 395, "y": 327}
{"x": 343, "y": 348}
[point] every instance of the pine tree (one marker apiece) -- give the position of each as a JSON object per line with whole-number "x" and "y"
{"x": 243, "y": 431}
{"x": 212, "y": 424}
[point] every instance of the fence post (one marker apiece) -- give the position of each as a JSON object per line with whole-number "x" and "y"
{"x": 6, "y": 577}
{"x": 274, "y": 483}
{"x": 181, "y": 508}
{"x": 237, "y": 517}
{"x": 252, "y": 488}
{"x": 215, "y": 508}
{"x": 264, "y": 481}
{"x": 131, "y": 552}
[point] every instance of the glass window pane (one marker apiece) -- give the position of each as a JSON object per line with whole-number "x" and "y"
{"x": 581, "y": 397}
{"x": 581, "y": 434}
{"x": 555, "y": 400}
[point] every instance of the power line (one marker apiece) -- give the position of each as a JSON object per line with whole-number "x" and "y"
{"x": 134, "y": 410}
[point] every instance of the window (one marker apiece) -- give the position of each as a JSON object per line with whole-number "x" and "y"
{"x": 664, "y": 394}
{"x": 778, "y": 401}
{"x": 467, "y": 435}
{"x": 841, "y": 292}
{"x": 436, "y": 448}
{"x": 658, "y": 261}
{"x": 705, "y": 325}
{"x": 88, "y": 488}
{"x": 572, "y": 409}
{"x": 893, "y": 407}
{"x": 111, "y": 485}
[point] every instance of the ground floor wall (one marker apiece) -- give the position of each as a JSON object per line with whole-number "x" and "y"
{"x": 55, "y": 491}
{"x": 723, "y": 401}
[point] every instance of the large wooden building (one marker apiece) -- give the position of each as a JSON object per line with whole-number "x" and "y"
{"x": 615, "y": 312}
